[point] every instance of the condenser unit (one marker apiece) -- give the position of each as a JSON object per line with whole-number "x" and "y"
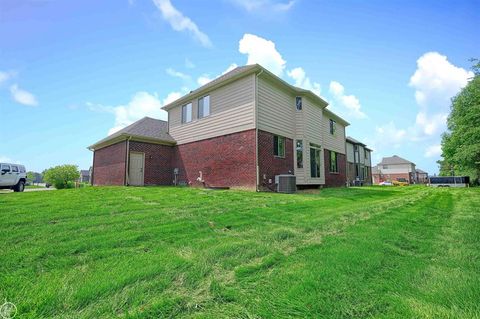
{"x": 286, "y": 183}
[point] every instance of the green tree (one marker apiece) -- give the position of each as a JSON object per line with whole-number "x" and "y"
{"x": 461, "y": 143}
{"x": 62, "y": 176}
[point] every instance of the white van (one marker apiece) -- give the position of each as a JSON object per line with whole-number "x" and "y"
{"x": 12, "y": 176}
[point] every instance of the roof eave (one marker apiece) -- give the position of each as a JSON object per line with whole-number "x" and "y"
{"x": 125, "y": 136}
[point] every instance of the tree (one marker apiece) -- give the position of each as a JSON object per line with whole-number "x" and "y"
{"x": 61, "y": 176}
{"x": 461, "y": 143}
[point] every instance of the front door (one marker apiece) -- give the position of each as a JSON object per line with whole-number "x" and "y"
{"x": 135, "y": 171}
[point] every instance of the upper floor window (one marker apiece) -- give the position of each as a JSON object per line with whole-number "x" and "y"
{"x": 333, "y": 126}
{"x": 333, "y": 162}
{"x": 298, "y": 103}
{"x": 385, "y": 166}
{"x": 204, "y": 106}
{"x": 299, "y": 149}
{"x": 187, "y": 113}
{"x": 279, "y": 146}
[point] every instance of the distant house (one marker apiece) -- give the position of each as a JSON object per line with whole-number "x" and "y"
{"x": 396, "y": 168}
{"x": 84, "y": 176}
{"x": 422, "y": 176}
{"x": 359, "y": 163}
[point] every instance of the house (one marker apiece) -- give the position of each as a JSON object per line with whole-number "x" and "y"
{"x": 239, "y": 130}
{"x": 422, "y": 176}
{"x": 394, "y": 168}
{"x": 84, "y": 176}
{"x": 359, "y": 163}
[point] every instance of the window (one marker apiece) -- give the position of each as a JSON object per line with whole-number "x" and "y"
{"x": 299, "y": 150}
{"x": 314, "y": 160}
{"x": 298, "y": 103}
{"x": 385, "y": 166}
{"x": 333, "y": 162}
{"x": 14, "y": 169}
{"x": 333, "y": 126}
{"x": 204, "y": 106}
{"x": 187, "y": 113}
{"x": 279, "y": 146}
{"x": 5, "y": 168}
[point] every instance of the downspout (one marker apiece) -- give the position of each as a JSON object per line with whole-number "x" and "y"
{"x": 127, "y": 160}
{"x": 257, "y": 169}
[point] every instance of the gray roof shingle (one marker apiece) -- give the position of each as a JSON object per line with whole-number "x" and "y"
{"x": 394, "y": 160}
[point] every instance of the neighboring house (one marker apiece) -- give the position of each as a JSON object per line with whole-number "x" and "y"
{"x": 240, "y": 130}
{"x": 394, "y": 168}
{"x": 422, "y": 176}
{"x": 84, "y": 176}
{"x": 359, "y": 163}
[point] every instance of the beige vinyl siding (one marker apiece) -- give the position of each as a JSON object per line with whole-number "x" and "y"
{"x": 335, "y": 142}
{"x": 231, "y": 111}
{"x": 350, "y": 153}
{"x": 313, "y": 134}
{"x": 276, "y": 108}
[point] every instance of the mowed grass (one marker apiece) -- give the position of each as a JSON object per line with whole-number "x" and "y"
{"x": 161, "y": 252}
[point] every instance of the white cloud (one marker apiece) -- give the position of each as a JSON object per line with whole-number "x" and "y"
{"x": 433, "y": 151}
{"x": 436, "y": 80}
{"x": 179, "y": 22}
{"x": 263, "y": 52}
{"x": 178, "y": 74}
{"x": 4, "y": 77}
{"x": 301, "y": 80}
{"x": 172, "y": 96}
{"x": 265, "y": 5}
{"x": 23, "y": 97}
{"x": 350, "y": 102}
{"x": 430, "y": 125}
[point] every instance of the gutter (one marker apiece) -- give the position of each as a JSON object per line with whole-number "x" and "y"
{"x": 257, "y": 169}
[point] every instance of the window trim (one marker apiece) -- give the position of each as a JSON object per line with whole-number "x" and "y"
{"x": 184, "y": 118}
{"x": 203, "y": 107}
{"x": 298, "y": 98}
{"x": 276, "y": 148}
{"x": 299, "y": 150}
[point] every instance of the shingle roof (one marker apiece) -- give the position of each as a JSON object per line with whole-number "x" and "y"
{"x": 418, "y": 170}
{"x": 145, "y": 127}
{"x": 394, "y": 160}
{"x": 354, "y": 141}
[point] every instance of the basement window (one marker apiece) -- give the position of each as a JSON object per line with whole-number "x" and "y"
{"x": 187, "y": 113}
{"x": 279, "y": 146}
{"x": 204, "y": 106}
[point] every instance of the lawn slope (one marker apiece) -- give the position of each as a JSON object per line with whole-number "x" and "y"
{"x": 179, "y": 252}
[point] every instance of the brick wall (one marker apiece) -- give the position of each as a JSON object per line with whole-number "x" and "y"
{"x": 158, "y": 162}
{"x": 109, "y": 165}
{"x": 227, "y": 160}
{"x": 335, "y": 179}
{"x": 378, "y": 178}
{"x": 270, "y": 165}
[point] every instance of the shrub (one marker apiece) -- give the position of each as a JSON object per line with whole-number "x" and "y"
{"x": 62, "y": 176}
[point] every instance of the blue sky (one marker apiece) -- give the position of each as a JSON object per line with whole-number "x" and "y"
{"x": 71, "y": 72}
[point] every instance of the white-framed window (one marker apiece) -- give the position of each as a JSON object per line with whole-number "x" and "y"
{"x": 315, "y": 153}
{"x": 187, "y": 113}
{"x": 298, "y": 103}
{"x": 204, "y": 106}
{"x": 278, "y": 146}
{"x": 333, "y": 126}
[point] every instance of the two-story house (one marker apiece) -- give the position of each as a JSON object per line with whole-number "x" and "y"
{"x": 240, "y": 130}
{"x": 359, "y": 163}
{"x": 395, "y": 168}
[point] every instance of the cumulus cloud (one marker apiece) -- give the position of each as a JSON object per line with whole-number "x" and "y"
{"x": 428, "y": 125}
{"x": 22, "y": 96}
{"x": 265, "y": 5}
{"x": 433, "y": 151}
{"x": 349, "y": 102}
{"x": 179, "y": 22}
{"x": 4, "y": 77}
{"x": 177, "y": 74}
{"x": 263, "y": 52}
{"x": 302, "y": 81}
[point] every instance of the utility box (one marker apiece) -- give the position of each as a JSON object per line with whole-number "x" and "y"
{"x": 286, "y": 183}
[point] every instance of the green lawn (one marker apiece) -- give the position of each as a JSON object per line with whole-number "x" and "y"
{"x": 409, "y": 252}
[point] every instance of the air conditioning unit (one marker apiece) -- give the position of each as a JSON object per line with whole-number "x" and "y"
{"x": 286, "y": 183}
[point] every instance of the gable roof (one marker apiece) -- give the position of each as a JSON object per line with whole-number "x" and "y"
{"x": 395, "y": 159}
{"x": 354, "y": 141}
{"x": 418, "y": 170}
{"x": 241, "y": 71}
{"x": 147, "y": 129}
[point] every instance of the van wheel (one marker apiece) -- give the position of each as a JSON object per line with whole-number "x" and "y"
{"x": 19, "y": 187}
